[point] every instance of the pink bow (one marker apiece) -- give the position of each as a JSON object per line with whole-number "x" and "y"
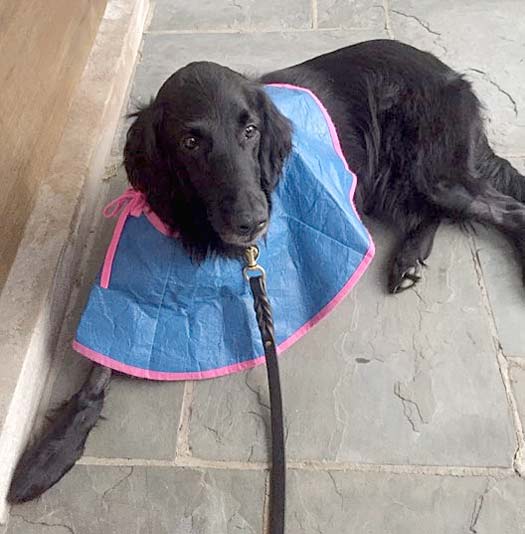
{"x": 134, "y": 202}
{"x": 131, "y": 202}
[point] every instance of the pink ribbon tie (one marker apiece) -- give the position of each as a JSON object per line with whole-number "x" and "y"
{"x": 131, "y": 202}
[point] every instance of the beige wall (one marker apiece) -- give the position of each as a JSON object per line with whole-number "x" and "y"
{"x": 44, "y": 46}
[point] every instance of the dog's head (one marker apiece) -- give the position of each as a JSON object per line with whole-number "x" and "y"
{"x": 208, "y": 152}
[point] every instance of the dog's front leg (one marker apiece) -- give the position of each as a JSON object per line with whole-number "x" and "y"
{"x": 409, "y": 257}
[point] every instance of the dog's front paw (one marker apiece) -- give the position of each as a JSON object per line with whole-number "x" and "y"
{"x": 404, "y": 276}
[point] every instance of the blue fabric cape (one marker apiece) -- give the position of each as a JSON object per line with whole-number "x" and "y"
{"x": 163, "y": 317}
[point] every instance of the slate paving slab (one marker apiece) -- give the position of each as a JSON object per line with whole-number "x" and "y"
{"x": 249, "y": 53}
{"x": 351, "y": 14}
{"x": 245, "y": 15}
{"x": 336, "y": 502}
{"x": 146, "y": 500}
{"x": 157, "y": 500}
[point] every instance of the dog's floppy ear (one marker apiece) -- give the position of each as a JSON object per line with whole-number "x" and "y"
{"x": 276, "y": 141}
{"x": 142, "y": 157}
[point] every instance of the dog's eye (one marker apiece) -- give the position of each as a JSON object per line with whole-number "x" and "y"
{"x": 190, "y": 143}
{"x": 250, "y": 130}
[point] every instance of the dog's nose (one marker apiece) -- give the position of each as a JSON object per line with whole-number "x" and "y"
{"x": 249, "y": 224}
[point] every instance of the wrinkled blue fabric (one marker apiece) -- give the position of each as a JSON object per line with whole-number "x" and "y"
{"x": 166, "y": 314}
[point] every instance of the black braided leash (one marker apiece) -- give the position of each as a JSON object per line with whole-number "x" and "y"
{"x": 263, "y": 313}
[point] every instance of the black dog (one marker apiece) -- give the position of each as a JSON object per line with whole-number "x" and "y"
{"x": 209, "y": 150}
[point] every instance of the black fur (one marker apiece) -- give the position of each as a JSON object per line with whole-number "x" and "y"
{"x": 410, "y": 128}
{"x": 48, "y": 459}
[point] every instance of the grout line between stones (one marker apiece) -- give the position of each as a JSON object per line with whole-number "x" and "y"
{"x": 519, "y": 458}
{"x": 182, "y": 449}
{"x": 503, "y": 364}
{"x": 315, "y": 15}
{"x": 266, "y": 506}
{"x": 149, "y": 16}
{"x": 388, "y": 22}
{"x": 517, "y": 361}
{"x": 247, "y": 31}
{"x": 307, "y": 465}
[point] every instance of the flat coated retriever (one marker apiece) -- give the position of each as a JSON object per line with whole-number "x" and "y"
{"x": 209, "y": 150}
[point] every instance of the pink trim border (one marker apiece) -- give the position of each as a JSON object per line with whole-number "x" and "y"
{"x": 107, "y": 266}
{"x": 158, "y": 224}
{"x": 163, "y": 375}
{"x": 333, "y": 134}
{"x": 153, "y": 219}
{"x": 287, "y": 343}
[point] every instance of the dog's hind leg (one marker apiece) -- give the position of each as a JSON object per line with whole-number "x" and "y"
{"x": 409, "y": 258}
{"x": 487, "y": 206}
{"x": 499, "y": 172}
{"x": 49, "y": 458}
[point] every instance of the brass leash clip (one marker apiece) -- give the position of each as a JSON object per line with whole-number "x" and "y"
{"x": 250, "y": 256}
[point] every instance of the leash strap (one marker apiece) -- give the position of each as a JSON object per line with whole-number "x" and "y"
{"x": 263, "y": 313}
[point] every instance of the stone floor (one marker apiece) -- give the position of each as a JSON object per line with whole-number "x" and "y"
{"x": 403, "y": 413}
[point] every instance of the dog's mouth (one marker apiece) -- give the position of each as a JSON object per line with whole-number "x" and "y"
{"x": 243, "y": 240}
{"x": 241, "y": 224}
